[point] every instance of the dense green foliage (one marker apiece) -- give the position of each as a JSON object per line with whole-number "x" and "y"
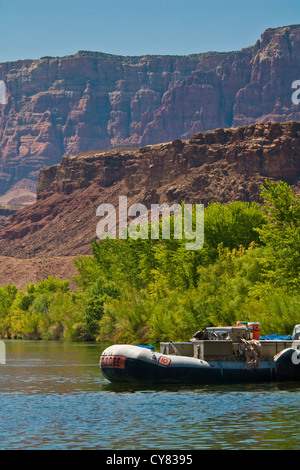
{"x": 154, "y": 290}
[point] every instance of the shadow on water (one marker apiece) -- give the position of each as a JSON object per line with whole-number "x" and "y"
{"x": 203, "y": 388}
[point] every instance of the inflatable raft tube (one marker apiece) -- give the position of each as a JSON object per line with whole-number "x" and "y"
{"x": 287, "y": 364}
{"x": 125, "y": 363}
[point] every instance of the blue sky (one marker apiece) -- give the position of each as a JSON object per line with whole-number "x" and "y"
{"x": 30, "y": 29}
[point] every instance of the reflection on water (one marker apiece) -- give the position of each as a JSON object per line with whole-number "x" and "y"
{"x": 50, "y": 367}
{"x": 53, "y": 396}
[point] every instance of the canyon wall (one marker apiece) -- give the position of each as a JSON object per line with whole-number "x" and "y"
{"x": 91, "y": 101}
{"x": 215, "y": 166}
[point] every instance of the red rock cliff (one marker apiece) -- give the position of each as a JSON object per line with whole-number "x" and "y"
{"x": 221, "y": 165}
{"x": 62, "y": 106}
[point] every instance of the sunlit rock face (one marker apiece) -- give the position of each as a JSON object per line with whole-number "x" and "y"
{"x": 214, "y": 166}
{"x": 90, "y": 101}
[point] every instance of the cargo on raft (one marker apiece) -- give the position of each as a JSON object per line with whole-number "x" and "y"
{"x": 231, "y": 354}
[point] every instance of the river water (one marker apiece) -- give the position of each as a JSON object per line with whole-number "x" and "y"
{"x": 53, "y": 396}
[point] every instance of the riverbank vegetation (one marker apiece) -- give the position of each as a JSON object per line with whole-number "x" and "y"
{"x": 146, "y": 291}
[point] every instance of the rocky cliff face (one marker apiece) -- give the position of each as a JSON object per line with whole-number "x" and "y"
{"x": 221, "y": 165}
{"x": 90, "y": 101}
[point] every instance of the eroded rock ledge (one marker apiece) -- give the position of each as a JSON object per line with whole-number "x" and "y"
{"x": 222, "y": 165}
{"x": 65, "y": 105}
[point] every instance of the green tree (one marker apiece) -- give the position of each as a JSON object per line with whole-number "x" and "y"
{"x": 282, "y": 234}
{"x": 7, "y": 297}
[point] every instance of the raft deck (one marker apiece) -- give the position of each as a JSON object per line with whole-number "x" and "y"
{"x": 231, "y": 349}
{"x": 226, "y": 350}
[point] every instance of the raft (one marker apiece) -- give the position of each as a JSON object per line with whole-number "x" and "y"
{"x": 236, "y": 359}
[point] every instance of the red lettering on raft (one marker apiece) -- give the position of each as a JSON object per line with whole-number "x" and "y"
{"x": 112, "y": 362}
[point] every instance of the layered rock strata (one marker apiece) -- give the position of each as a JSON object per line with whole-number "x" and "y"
{"x": 88, "y": 101}
{"x": 221, "y": 165}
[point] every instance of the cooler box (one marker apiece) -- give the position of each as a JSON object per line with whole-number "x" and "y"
{"x": 252, "y": 326}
